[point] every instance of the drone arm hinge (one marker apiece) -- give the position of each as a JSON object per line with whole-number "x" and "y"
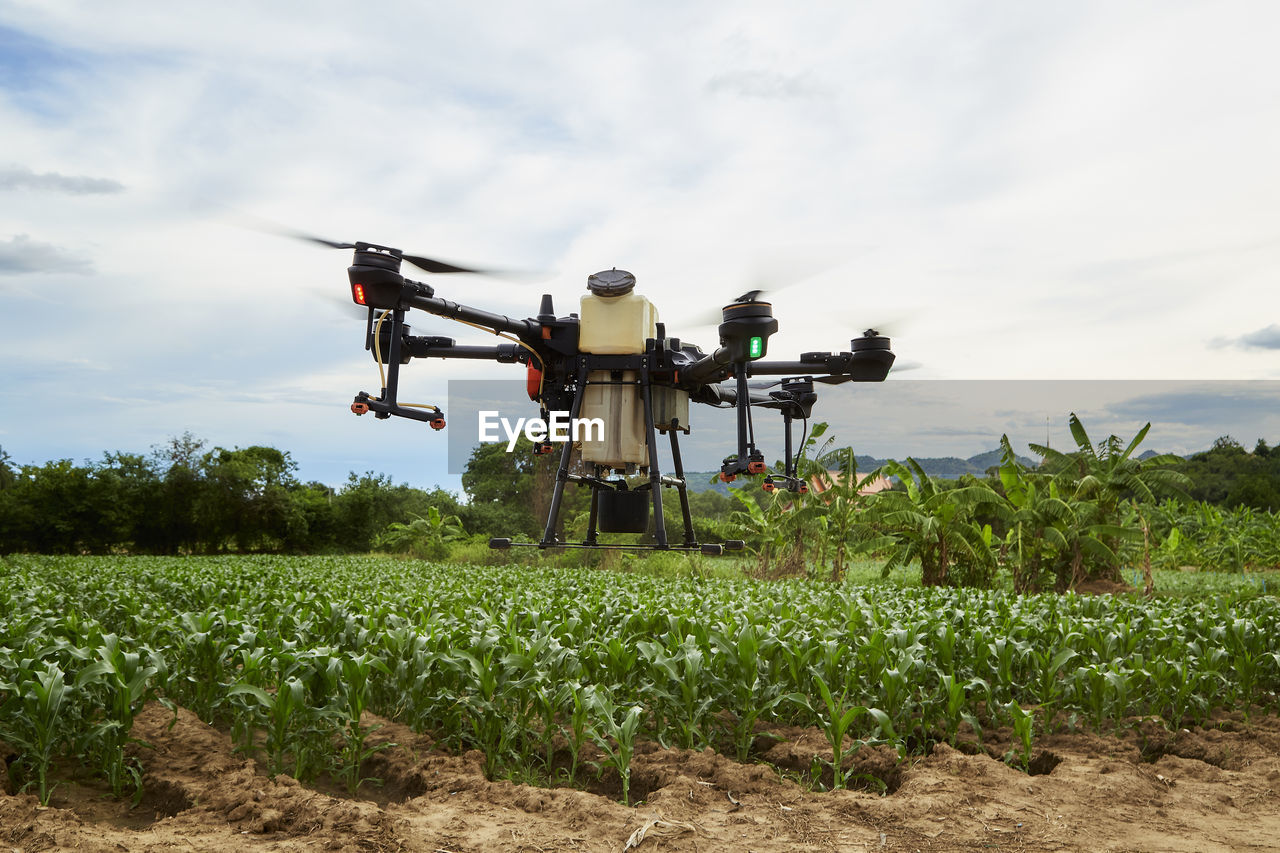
{"x": 411, "y": 289}
{"x": 707, "y": 367}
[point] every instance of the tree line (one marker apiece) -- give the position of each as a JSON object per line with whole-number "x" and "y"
{"x": 183, "y": 499}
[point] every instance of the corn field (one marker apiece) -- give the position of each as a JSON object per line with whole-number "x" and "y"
{"x": 532, "y": 665}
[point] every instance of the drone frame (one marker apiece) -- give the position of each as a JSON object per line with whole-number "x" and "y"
{"x": 563, "y": 374}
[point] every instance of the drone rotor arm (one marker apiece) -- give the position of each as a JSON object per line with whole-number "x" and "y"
{"x": 437, "y": 347}
{"x": 832, "y": 368}
{"x": 527, "y": 330}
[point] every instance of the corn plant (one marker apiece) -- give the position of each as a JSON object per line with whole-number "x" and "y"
{"x": 126, "y": 678}
{"x": 294, "y": 653}
{"x": 278, "y": 714}
{"x": 352, "y": 701}
{"x": 1050, "y": 684}
{"x": 202, "y": 647}
{"x": 740, "y": 649}
{"x": 291, "y": 704}
{"x": 616, "y": 739}
{"x": 578, "y": 729}
{"x": 836, "y": 715}
{"x": 1023, "y": 731}
{"x": 33, "y": 718}
{"x": 492, "y": 727}
{"x": 955, "y": 704}
{"x": 679, "y": 689}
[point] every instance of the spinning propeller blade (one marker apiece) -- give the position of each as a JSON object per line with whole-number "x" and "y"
{"x": 431, "y": 265}
{"x": 298, "y": 235}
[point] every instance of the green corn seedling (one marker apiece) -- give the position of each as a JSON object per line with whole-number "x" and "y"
{"x": 127, "y": 680}
{"x": 39, "y": 727}
{"x": 616, "y": 739}
{"x": 356, "y": 672}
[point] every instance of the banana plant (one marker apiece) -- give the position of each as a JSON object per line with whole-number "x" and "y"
{"x": 936, "y": 525}
{"x": 840, "y": 502}
{"x": 1108, "y": 476}
{"x": 425, "y": 537}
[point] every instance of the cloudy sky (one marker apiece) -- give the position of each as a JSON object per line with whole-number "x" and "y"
{"x": 1017, "y": 191}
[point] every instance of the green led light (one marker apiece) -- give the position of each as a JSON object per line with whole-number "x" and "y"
{"x": 756, "y": 348}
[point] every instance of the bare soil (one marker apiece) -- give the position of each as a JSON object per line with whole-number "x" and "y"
{"x": 1201, "y": 790}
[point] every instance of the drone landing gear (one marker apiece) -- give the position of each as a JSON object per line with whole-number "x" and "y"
{"x": 615, "y": 506}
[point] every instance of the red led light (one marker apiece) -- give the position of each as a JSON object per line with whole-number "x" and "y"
{"x": 357, "y": 293}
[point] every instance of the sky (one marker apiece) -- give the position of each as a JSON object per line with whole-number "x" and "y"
{"x": 1017, "y": 192}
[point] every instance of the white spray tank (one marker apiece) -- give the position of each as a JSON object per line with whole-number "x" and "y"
{"x": 615, "y": 320}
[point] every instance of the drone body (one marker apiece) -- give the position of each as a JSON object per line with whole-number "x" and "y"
{"x": 611, "y": 363}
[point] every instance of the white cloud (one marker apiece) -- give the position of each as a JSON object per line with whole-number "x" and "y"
{"x": 1081, "y": 191}
{"x": 21, "y": 254}
{"x": 22, "y": 178}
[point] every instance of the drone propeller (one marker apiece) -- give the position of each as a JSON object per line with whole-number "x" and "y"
{"x": 431, "y": 265}
{"x": 715, "y": 316}
{"x": 320, "y": 240}
{"x": 774, "y": 271}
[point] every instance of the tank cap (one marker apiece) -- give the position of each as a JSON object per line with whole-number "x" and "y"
{"x": 614, "y": 282}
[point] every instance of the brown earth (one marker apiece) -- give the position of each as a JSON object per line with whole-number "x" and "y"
{"x": 1197, "y": 790}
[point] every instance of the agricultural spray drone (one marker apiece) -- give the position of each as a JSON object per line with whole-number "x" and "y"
{"x": 614, "y": 367}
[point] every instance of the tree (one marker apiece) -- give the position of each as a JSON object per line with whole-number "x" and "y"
{"x": 245, "y": 497}
{"x": 510, "y": 492}
{"x": 7, "y": 475}
{"x": 500, "y": 486}
{"x": 56, "y": 510}
{"x": 127, "y": 496}
{"x": 181, "y": 450}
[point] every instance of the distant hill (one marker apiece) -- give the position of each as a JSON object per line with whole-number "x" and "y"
{"x": 945, "y": 467}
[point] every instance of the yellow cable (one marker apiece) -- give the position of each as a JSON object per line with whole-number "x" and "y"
{"x": 542, "y": 376}
{"x": 382, "y": 375}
